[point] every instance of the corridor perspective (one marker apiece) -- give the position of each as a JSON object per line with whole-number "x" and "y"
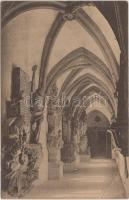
{"x": 65, "y": 100}
{"x": 97, "y": 178}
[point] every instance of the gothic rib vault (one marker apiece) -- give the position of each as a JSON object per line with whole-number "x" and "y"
{"x": 87, "y": 66}
{"x": 77, "y": 59}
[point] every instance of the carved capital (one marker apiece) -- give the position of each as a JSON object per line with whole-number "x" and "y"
{"x": 52, "y": 99}
{"x": 53, "y": 90}
{"x": 67, "y": 112}
{"x": 37, "y": 101}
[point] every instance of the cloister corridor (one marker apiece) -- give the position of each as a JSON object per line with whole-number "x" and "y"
{"x": 96, "y": 178}
{"x": 64, "y": 113}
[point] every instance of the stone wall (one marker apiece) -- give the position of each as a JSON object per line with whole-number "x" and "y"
{"x": 124, "y": 172}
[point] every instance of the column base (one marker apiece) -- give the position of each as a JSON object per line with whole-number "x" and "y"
{"x": 83, "y": 145}
{"x": 55, "y": 170}
{"x": 72, "y": 166}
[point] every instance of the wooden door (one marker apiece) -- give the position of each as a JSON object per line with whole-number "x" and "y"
{"x": 100, "y": 143}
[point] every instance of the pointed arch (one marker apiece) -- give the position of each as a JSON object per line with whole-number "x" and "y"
{"x": 87, "y": 59}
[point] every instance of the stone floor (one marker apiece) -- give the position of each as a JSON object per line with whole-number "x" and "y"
{"x": 97, "y": 178}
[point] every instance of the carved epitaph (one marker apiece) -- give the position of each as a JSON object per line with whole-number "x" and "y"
{"x": 20, "y": 95}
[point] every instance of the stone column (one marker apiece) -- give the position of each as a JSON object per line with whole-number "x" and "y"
{"x": 43, "y": 169}
{"x": 75, "y": 140}
{"x": 54, "y": 136}
{"x": 70, "y": 151}
{"x": 83, "y": 146}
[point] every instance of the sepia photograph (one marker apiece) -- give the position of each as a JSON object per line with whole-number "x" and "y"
{"x": 64, "y": 100}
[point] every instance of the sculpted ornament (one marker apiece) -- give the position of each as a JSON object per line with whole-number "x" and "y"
{"x": 16, "y": 177}
{"x": 53, "y": 91}
{"x": 55, "y": 141}
{"x": 37, "y": 117}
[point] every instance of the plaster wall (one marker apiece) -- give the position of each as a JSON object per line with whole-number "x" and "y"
{"x": 22, "y": 44}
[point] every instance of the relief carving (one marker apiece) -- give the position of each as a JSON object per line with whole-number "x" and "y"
{"x": 55, "y": 140}
{"x": 22, "y": 153}
{"x": 54, "y": 136}
{"x": 36, "y": 109}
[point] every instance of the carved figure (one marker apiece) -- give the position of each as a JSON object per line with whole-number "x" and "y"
{"x": 53, "y": 91}
{"x": 37, "y": 116}
{"x": 16, "y": 177}
{"x": 35, "y": 128}
{"x": 16, "y": 163}
{"x": 21, "y": 160}
{"x": 55, "y": 140}
{"x": 19, "y": 130}
{"x": 34, "y": 154}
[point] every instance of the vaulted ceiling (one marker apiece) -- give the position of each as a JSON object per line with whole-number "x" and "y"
{"x": 73, "y": 44}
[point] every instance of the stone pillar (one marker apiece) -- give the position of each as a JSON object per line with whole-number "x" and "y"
{"x": 70, "y": 157}
{"x": 83, "y": 146}
{"x": 75, "y": 139}
{"x": 70, "y": 151}
{"x": 43, "y": 169}
{"x": 55, "y": 143}
{"x": 75, "y": 142}
{"x": 54, "y": 136}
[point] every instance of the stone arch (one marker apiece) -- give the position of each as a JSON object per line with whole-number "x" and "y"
{"x": 99, "y": 37}
{"x": 84, "y": 78}
{"x": 91, "y": 60}
{"x": 23, "y": 6}
{"x": 97, "y": 90}
{"x": 81, "y": 17}
{"x": 104, "y": 117}
{"x": 94, "y": 105}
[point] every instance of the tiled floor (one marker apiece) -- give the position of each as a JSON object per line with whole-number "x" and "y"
{"x": 97, "y": 178}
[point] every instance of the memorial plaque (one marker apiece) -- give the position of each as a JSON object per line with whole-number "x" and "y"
{"x": 21, "y": 88}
